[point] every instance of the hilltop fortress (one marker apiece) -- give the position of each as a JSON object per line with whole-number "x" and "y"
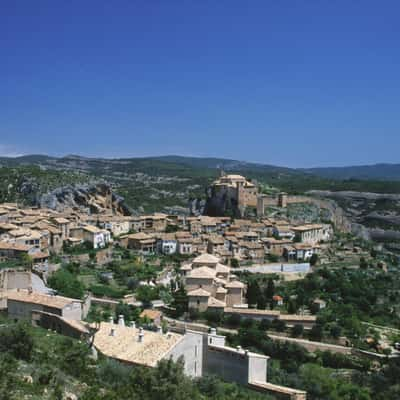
{"x": 233, "y": 194}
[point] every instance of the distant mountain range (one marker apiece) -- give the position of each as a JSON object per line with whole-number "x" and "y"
{"x": 390, "y": 172}
{"x": 387, "y": 172}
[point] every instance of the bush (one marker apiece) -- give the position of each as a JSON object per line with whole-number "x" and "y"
{"x": 66, "y": 284}
{"x": 278, "y": 325}
{"x": 297, "y": 330}
{"x": 314, "y": 259}
{"x": 233, "y": 320}
{"x": 335, "y": 330}
{"x": 273, "y": 258}
{"x": 363, "y": 263}
{"x": 194, "y": 314}
{"x": 234, "y": 263}
{"x": 316, "y": 333}
{"x": 265, "y": 324}
{"x": 106, "y": 291}
{"x": 213, "y": 316}
{"x": 146, "y": 294}
{"x": 17, "y": 341}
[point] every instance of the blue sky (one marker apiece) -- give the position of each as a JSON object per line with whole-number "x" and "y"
{"x": 295, "y": 83}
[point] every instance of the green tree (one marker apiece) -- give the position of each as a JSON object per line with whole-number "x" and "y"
{"x": 316, "y": 333}
{"x": 262, "y": 302}
{"x": 270, "y": 290}
{"x": 180, "y": 301}
{"x": 26, "y": 260}
{"x": 363, "y": 263}
{"x": 167, "y": 381}
{"x": 66, "y": 284}
{"x": 17, "y": 340}
{"x": 314, "y": 259}
{"x": 234, "y": 263}
{"x": 292, "y": 306}
{"x": 8, "y": 379}
{"x": 253, "y": 292}
{"x": 297, "y": 330}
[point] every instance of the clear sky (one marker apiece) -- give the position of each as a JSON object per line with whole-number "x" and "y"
{"x": 295, "y": 83}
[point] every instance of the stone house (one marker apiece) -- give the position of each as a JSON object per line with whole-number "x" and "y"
{"x": 300, "y": 252}
{"x": 11, "y": 250}
{"x": 253, "y": 251}
{"x": 311, "y": 233}
{"x": 216, "y": 244}
{"x": 167, "y": 243}
{"x": 185, "y": 243}
{"x": 98, "y": 237}
{"x": 141, "y": 242}
{"x": 154, "y": 223}
{"x": 210, "y": 284}
{"x": 115, "y": 224}
{"x": 63, "y": 224}
{"x": 21, "y": 303}
{"x": 283, "y": 232}
{"x": 275, "y": 246}
{"x": 198, "y": 299}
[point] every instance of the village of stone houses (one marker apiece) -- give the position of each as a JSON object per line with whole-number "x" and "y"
{"x": 243, "y": 297}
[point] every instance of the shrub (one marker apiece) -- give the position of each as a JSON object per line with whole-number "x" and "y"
{"x": 278, "y": 325}
{"x": 16, "y": 340}
{"x": 66, "y": 284}
{"x": 297, "y": 330}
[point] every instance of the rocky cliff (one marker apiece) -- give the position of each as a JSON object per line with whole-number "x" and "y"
{"x": 95, "y": 199}
{"x": 372, "y": 215}
{"x": 219, "y": 203}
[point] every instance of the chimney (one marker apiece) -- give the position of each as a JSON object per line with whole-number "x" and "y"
{"x": 111, "y": 319}
{"x": 133, "y": 324}
{"x": 141, "y": 335}
{"x": 213, "y": 331}
{"x": 239, "y": 348}
{"x": 112, "y": 332}
{"x": 121, "y": 321}
{"x": 159, "y": 330}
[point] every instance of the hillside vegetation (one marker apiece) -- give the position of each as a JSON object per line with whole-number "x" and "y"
{"x": 25, "y": 184}
{"x": 40, "y": 365}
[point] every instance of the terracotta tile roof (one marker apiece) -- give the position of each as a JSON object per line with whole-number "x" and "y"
{"x": 61, "y": 220}
{"x": 222, "y": 269}
{"x": 202, "y": 272}
{"x": 235, "y": 285}
{"x": 214, "y": 303}
{"x": 139, "y": 236}
{"x": 92, "y": 229}
{"x": 200, "y": 292}
{"x": 308, "y": 227}
{"x": 125, "y": 346}
{"x": 14, "y": 246}
{"x": 206, "y": 258}
{"x": 24, "y": 296}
